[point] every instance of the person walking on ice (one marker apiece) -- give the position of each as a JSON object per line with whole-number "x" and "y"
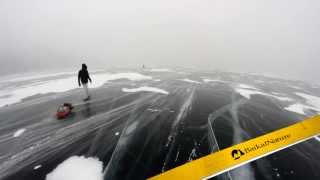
{"x": 83, "y": 77}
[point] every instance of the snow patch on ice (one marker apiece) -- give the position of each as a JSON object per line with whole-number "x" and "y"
{"x": 248, "y": 92}
{"x": 153, "y": 110}
{"x": 19, "y": 132}
{"x": 37, "y": 167}
{"x": 282, "y": 98}
{"x": 11, "y": 96}
{"x": 245, "y": 86}
{"x": 78, "y": 168}
{"x": 34, "y": 76}
{"x": 190, "y": 81}
{"x": 311, "y": 100}
{"x": 145, "y": 89}
{"x": 130, "y": 76}
{"x": 212, "y": 80}
{"x": 160, "y": 70}
{"x": 297, "y": 108}
{"x": 52, "y": 86}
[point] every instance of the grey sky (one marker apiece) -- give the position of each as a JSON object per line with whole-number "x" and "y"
{"x": 280, "y": 37}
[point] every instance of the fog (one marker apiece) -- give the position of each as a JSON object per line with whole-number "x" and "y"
{"x": 276, "y": 37}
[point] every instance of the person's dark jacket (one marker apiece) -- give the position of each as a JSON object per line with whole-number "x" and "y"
{"x": 83, "y": 76}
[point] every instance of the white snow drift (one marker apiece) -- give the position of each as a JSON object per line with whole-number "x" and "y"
{"x": 145, "y": 89}
{"x": 247, "y": 91}
{"x": 160, "y": 70}
{"x": 245, "y": 86}
{"x": 37, "y": 167}
{"x": 33, "y": 76}
{"x": 129, "y": 76}
{"x": 78, "y": 168}
{"x": 297, "y": 108}
{"x": 312, "y": 103}
{"x": 206, "y": 80}
{"x": 311, "y": 100}
{"x": 15, "y": 95}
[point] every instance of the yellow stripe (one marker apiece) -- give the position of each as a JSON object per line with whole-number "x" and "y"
{"x": 222, "y": 161}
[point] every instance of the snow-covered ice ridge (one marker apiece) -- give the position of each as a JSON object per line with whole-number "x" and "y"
{"x": 15, "y": 94}
{"x": 78, "y": 168}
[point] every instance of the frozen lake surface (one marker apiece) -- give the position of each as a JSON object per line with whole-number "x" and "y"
{"x": 141, "y": 123}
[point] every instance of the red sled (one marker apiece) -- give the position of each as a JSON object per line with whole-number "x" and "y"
{"x": 64, "y": 110}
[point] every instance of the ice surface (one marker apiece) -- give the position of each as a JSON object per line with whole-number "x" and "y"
{"x": 132, "y": 127}
{"x": 78, "y": 168}
{"x": 19, "y": 132}
{"x": 128, "y": 130}
{"x": 145, "y": 89}
{"x": 190, "y": 81}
